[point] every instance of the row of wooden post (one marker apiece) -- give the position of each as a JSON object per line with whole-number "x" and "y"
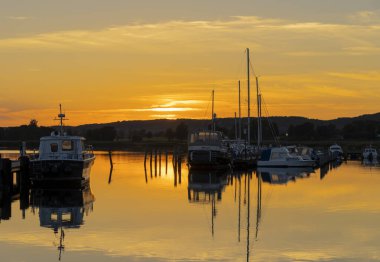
{"x": 155, "y": 158}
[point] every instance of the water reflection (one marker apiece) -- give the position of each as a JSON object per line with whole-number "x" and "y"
{"x": 324, "y": 170}
{"x": 231, "y": 216}
{"x": 370, "y": 163}
{"x": 284, "y": 175}
{"x": 61, "y": 209}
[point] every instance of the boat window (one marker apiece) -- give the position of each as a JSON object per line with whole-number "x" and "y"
{"x": 67, "y": 145}
{"x": 54, "y": 147}
{"x": 275, "y": 155}
{"x": 204, "y": 136}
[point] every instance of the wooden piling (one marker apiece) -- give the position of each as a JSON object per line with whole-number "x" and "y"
{"x": 179, "y": 169}
{"x": 159, "y": 162}
{"x": 6, "y": 175}
{"x": 145, "y": 156}
{"x": 166, "y": 162}
{"x": 110, "y": 157}
{"x": 151, "y": 159}
{"x": 155, "y": 162}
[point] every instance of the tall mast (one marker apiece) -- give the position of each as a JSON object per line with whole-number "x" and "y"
{"x": 259, "y": 128}
{"x": 236, "y": 133}
{"x": 249, "y": 100}
{"x": 239, "y": 114}
{"x": 213, "y": 114}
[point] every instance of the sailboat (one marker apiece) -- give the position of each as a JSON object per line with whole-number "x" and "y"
{"x": 62, "y": 158}
{"x": 207, "y": 149}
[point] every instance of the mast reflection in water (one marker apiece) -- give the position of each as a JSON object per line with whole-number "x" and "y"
{"x": 61, "y": 208}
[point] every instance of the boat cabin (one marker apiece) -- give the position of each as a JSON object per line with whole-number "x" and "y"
{"x": 277, "y": 153}
{"x": 62, "y": 147}
{"x": 206, "y": 137}
{"x": 370, "y": 150}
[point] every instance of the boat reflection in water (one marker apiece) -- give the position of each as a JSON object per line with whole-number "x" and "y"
{"x": 370, "y": 163}
{"x": 284, "y": 175}
{"x": 206, "y": 187}
{"x": 61, "y": 208}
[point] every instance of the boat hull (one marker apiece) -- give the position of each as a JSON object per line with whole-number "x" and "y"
{"x": 370, "y": 156}
{"x": 208, "y": 159}
{"x": 42, "y": 171}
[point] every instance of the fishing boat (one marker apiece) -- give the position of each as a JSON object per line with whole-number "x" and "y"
{"x": 370, "y": 153}
{"x": 62, "y": 158}
{"x": 208, "y": 149}
{"x": 280, "y": 157}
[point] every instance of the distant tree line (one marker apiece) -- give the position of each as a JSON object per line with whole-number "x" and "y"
{"x": 25, "y": 132}
{"x": 360, "y": 130}
{"x": 364, "y": 129}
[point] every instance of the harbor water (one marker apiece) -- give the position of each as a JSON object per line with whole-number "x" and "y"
{"x": 159, "y": 214}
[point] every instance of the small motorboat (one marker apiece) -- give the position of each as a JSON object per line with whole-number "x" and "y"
{"x": 336, "y": 151}
{"x": 280, "y": 157}
{"x": 370, "y": 153}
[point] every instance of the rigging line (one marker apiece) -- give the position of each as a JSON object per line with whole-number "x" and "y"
{"x": 271, "y": 126}
{"x": 208, "y": 105}
{"x": 252, "y": 68}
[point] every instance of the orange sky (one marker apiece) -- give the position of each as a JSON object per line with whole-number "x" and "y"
{"x": 115, "y": 62}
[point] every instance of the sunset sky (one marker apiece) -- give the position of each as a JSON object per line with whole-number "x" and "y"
{"x": 125, "y": 60}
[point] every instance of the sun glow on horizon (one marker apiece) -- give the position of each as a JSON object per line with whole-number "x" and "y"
{"x": 137, "y": 70}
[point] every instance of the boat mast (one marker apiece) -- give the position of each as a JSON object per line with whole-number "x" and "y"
{"x": 239, "y": 114}
{"x": 249, "y": 100}
{"x": 259, "y": 128}
{"x": 61, "y": 118}
{"x": 213, "y": 114}
{"x": 236, "y": 133}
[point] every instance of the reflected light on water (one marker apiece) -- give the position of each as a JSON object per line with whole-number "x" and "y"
{"x": 158, "y": 214}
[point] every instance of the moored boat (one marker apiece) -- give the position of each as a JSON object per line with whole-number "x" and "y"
{"x": 280, "y": 157}
{"x": 207, "y": 150}
{"x": 370, "y": 153}
{"x": 336, "y": 151}
{"x": 62, "y": 158}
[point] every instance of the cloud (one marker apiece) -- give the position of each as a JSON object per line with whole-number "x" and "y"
{"x": 203, "y": 35}
{"x": 19, "y": 18}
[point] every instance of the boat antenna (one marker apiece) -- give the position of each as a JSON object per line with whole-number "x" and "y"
{"x": 61, "y": 118}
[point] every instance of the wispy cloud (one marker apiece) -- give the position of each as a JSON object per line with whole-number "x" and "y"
{"x": 259, "y": 33}
{"x": 20, "y": 18}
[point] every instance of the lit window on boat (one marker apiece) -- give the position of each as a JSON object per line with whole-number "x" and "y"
{"x": 54, "y": 147}
{"x": 54, "y": 217}
{"x": 66, "y": 217}
{"x": 67, "y": 145}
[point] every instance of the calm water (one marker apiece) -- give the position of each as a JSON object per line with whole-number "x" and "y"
{"x": 271, "y": 215}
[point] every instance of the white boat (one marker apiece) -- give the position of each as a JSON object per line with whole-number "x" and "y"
{"x": 370, "y": 153}
{"x": 280, "y": 157}
{"x": 336, "y": 150}
{"x": 62, "y": 158}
